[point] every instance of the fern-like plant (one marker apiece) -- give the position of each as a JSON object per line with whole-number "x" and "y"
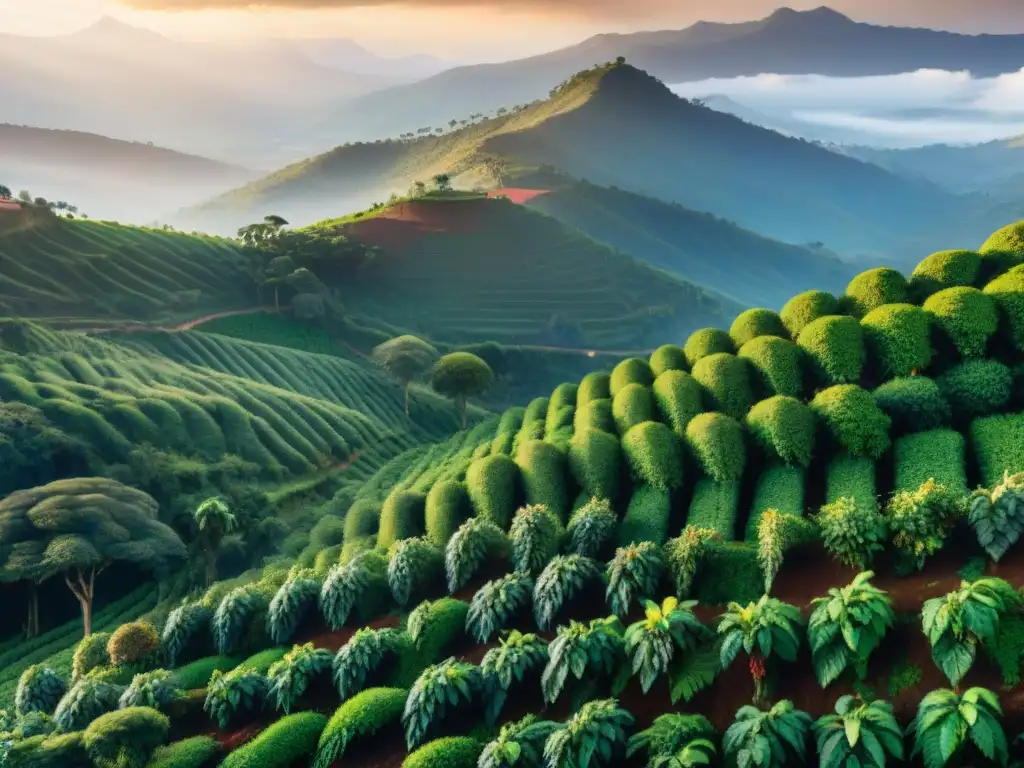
{"x": 858, "y": 734}
{"x": 154, "y": 689}
{"x": 997, "y": 516}
{"x": 581, "y": 649}
{"x": 417, "y": 621}
{"x": 591, "y": 528}
{"x": 536, "y": 536}
{"x": 364, "y": 654}
{"x": 497, "y": 602}
{"x": 958, "y": 622}
{"x": 234, "y": 615}
{"x": 633, "y": 575}
{"x": 761, "y": 630}
{"x": 519, "y": 744}
{"x": 776, "y": 738}
{"x": 185, "y": 625}
{"x": 293, "y": 602}
{"x": 436, "y": 693}
{"x": 414, "y": 566}
{"x": 346, "y": 584}
{"x": 516, "y": 656}
{"x": 477, "y": 541}
{"x": 242, "y": 691}
{"x": 84, "y": 702}
{"x": 920, "y": 521}
{"x": 39, "y": 689}
{"x": 685, "y": 554}
{"x": 560, "y": 581}
{"x": 595, "y": 735}
{"x": 675, "y": 741}
{"x": 853, "y": 532}
{"x": 847, "y": 626}
{"x": 654, "y": 641}
{"x": 290, "y": 677}
{"x": 947, "y": 723}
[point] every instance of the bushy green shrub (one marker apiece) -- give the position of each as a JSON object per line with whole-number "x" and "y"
{"x": 90, "y": 653}
{"x": 594, "y": 386}
{"x": 719, "y": 445}
{"x": 913, "y": 404}
{"x": 132, "y": 642}
{"x": 853, "y": 421}
{"x": 595, "y": 414}
{"x": 778, "y": 365}
{"x": 935, "y": 455}
{"x": 835, "y": 347}
{"x": 597, "y": 728}
{"x": 403, "y": 516}
{"x": 852, "y": 531}
{"x": 942, "y": 270}
{"x": 633, "y": 404}
{"x": 285, "y": 743}
{"x": 194, "y": 752}
{"x": 448, "y": 507}
{"x": 977, "y": 387}
{"x": 899, "y": 336}
{"x": 448, "y": 752}
{"x": 358, "y": 588}
{"x": 591, "y": 528}
{"x": 1003, "y": 249}
{"x": 365, "y": 714}
{"x": 561, "y": 580}
{"x": 654, "y": 455}
{"x": 595, "y": 460}
{"x": 563, "y": 395}
{"x": 591, "y": 650}
{"x": 536, "y": 537}
{"x": 647, "y": 517}
{"x": 851, "y": 477}
{"x": 39, "y": 690}
{"x": 668, "y": 357}
{"x": 156, "y": 689}
{"x": 543, "y": 470}
{"x": 755, "y": 323}
{"x": 705, "y": 342}
{"x": 242, "y": 691}
{"x": 126, "y": 738}
{"x": 262, "y": 662}
{"x": 920, "y": 520}
{"x": 784, "y": 428}
{"x": 1008, "y": 293}
{"x": 44, "y": 751}
{"x": 714, "y": 507}
{"x": 293, "y": 602}
{"x": 439, "y": 691}
{"x": 633, "y": 370}
{"x": 967, "y": 317}
{"x": 415, "y": 570}
{"x": 726, "y": 382}
{"x": 477, "y": 542}
{"x": 493, "y": 485}
{"x": 290, "y": 677}
{"x": 363, "y": 519}
{"x": 233, "y": 617}
{"x": 998, "y": 447}
{"x": 679, "y": 397}
{"x": 518, "y": 741}
{"x": 497, "y": 602}
{"x": 516, "y": 656}
{"x": 804, "y": 308}
{"x": 84, "y": 702}
{"x": 634, "y": 574}
{"x": 873, "y": 288}
{"x": 187, "y": 626}
{"x": 780, "y": 488}
{"x": 364, "y": 655}
{"x": 197, "y": 674}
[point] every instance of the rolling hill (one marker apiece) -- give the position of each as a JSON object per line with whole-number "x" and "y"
{"x": 821, "y": 41}
{"x": 618, "y": 126}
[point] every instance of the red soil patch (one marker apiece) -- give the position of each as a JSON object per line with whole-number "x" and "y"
{"x": 404, "y": 223}
{"x": 232, "y": 740}
{"x": 334, "y": 640}
{"x": 518, "y": 196}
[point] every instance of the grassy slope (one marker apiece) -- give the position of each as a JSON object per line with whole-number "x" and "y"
{"x": 478, "y": 270}
{"x": 712, "y": 252}
{"x": 57, "y": 269}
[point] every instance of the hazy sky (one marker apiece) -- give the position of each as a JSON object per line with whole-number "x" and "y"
{"x": 473, "y": 29}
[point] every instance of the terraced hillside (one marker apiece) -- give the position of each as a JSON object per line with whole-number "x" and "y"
{"x": 59, "y": 270}
{"x": 490, "y": 270}
{"x": 769, "y": 462}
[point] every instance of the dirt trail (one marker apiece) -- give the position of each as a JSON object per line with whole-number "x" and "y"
{"x": 187, "y": 325}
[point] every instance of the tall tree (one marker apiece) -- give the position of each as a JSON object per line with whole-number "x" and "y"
{"x": 460, "y": 376}
{"x": 77, "y": 528}
{"x": 215, "y": 521}
{"x": 5, "y": 191}
{"x": 405, "y": 358}
{"x": 443, "y": 182}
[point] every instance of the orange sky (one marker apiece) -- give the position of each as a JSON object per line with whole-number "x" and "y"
{"x": 475, "y": 29}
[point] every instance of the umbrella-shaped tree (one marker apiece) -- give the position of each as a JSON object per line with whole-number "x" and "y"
{"x": 405, "y": 358}
{"x": 77, "y": 528}
{"x": 460, "y": 376}
{"x": 215, "y": 521}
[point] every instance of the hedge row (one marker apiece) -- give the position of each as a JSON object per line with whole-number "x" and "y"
{"x": 936, "y": 455}
{"x": 715, "y": 506}
{"x": 851, "y": 477}
{"x": 647, "y": 517}
{"x": 998, "y": 443}
{"x": 780, "y": 488}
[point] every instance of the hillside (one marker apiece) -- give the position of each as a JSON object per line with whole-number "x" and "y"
{"x": 57, "y": 269}
{"x": 711, "y": 252}
{"x": 780, "y": 187}
{"x": 109, "y": 178}
{"x": 474, "y": 580}
{"x": 490, "y": 270}
{"x": 788, "y": 42}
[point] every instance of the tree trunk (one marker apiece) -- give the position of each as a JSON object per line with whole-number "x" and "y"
{"x": 32, "y": 620}
{"x": 83, "y": 588}
{"x": 406, "y": 390}
{"x": 211, "y": 565}
{"x": 462, "y": 410}
{"x": 277, "y": 306}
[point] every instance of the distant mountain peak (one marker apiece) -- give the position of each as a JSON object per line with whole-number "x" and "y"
{"x": 820, "y": 15}
{"x": 109, "y": 27}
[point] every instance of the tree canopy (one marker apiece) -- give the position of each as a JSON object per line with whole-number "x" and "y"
{"x": 460, "y": 376}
